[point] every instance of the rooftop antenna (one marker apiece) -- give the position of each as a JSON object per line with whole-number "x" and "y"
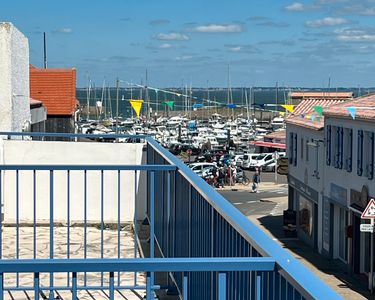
{"x": 45, "y": 49}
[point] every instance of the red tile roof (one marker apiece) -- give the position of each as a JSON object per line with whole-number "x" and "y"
{"x": 365, "y": 108}
{"x": 322, "y": 95}
{"x": 307, "y": 106}
{"x": 56, "y": 88}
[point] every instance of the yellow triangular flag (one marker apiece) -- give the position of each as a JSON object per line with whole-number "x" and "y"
{"x": 137, "y": 106}
{"x": 288, "y": 107}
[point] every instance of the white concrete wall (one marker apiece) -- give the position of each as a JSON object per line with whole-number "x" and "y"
{"x": 65, "y": 153}
{"x": 14, "y": 79}
{"x": 340, "y": 177}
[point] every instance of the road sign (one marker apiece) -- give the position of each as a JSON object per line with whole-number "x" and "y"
{"x": 366, "y": 227}
{"x": 369, "y": 212}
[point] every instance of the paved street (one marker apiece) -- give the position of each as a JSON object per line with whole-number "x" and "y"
{"x": 265, "y": 209}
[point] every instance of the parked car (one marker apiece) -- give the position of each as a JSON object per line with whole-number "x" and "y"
{"x": 200, "y": 166}
{"x": 269, "y": 166}
{"x": 248, "y": 159}
{"x": 265, "y": 158}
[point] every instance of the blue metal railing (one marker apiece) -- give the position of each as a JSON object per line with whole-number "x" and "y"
{"x": 192, "y": 224}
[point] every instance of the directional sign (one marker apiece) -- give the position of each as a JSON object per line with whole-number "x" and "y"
{"x": 366, "y": 227}
{"x": 369, "y": 212}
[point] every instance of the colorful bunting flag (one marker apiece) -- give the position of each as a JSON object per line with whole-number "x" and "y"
{"x": 231, "y": 105}
{"x": 136, "y": 105}
{"x": 352, "y": 111}
{"x": 319, "y": 110}
{"x": 195, "y": 106}
{"x": 313, "y": 118}
{"x": 288, "y": 107}
{"x": 170, "y": 104}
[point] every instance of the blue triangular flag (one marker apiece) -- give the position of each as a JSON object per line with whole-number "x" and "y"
{"x": 352, "y": 111}
{"x": 313, "y": 118}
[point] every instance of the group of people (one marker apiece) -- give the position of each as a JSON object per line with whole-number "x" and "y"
{"x": 221, "y": 175}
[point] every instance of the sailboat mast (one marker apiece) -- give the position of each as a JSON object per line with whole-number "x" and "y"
{"x": 146, "y": 98}
{"x": 103, "y": 100}
{"x": 88, "y": 98}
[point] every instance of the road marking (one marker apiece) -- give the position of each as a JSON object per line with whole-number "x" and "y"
{"x": 275, "y": 210}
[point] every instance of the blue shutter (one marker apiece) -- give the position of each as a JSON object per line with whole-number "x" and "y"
{"x": 337, "y": 147}
{"x": 295, "y": 150}
{"x": 360, "y": 153}
{"x": 328, "y": 149}
{"x": 371, "y": 156}
{"x": 349, "y": 165}
{"x": 290, "y": 148}
{"x": 341, "y": 148}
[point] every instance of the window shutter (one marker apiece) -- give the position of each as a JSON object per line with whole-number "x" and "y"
{"x": 360, "y": 153}
{"x": 337, "y": 147}
{"x": 291, "y": 148}
{"x": 295, "y": 150}
{"x": 350, "y": 152}
{"x": 328, "y": 149}
{"x": 371, "y": 164}
{"x": 341, "y": 157}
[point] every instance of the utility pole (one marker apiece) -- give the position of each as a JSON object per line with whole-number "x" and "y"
{"x": 117, "y": 95}
{"x": 45, "y": 49}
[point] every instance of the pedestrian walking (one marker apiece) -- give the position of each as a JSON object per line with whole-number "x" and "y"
{"x": 256, "y": 181}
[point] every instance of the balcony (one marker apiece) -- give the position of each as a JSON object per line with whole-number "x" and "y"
{"x": 76, "y": 216}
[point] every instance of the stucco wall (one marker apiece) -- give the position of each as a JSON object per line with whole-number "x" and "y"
{"x": 14, "y": 78}
{"x": 38, "y": 152}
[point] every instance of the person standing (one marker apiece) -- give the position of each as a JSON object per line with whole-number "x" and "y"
{"x": 256, "y": 181}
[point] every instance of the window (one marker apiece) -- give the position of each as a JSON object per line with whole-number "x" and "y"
{"x": 368, "y": 154}
{"x": 302, "y": 145}
{"x": 343, "y": 241}
{"x": 291, "y": 139}
{"x": 340, "y": 147}
{"x": 360, "y": 153}
{"x": 328, "y": 149}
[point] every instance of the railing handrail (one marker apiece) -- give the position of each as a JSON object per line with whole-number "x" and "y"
{"x": 72, "y": 135}
{"x": 311, "y": 287}
{"x": 199, "y": 264}
{"x": 89, "y": 167}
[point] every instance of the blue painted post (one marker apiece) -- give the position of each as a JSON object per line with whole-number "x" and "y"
{"x": 85, "y": 224}
{"x": 111, "y": 286}
{"x": 148, "y": 287}
{"x": 36, "y": 286}
{"x": 1, "y": 286}
{"x": 185, "y": 287}
{"x": 135, "y": 222}
{"x": 17, "y": 223}
{"x": 34, "y": 214}
{"x": 1, "y": 213}
{"x": 259, "y": 287}
{"x": 118, "y": 221}
{"x": 68, "y": 227}
{"x": 102, "y": 222}
{"x": 74, "y": 286}
{"x": 222, "y": 286}
{"x": 152, "y": 225}
{"x": 51, "y": 218}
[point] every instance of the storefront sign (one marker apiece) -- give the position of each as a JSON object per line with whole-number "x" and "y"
{"x": 304, "y": 189}
{"x": 326, "y": 223}
{"x": 338, "y": 194}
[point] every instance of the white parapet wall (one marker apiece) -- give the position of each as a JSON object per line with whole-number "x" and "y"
{"x": 14, "y": 79}
{"x": 16, "y": 152}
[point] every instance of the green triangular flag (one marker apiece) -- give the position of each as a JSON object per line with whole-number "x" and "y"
{"x": 319, "y": 110}
{"x": 169, "y": 103}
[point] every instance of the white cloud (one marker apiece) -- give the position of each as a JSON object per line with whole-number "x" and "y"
{"x": 184, "y": 57}
{"x": 218, "y": 28}
{"x": 65, "y": 30}
{"x": 296, "y": 6}
{"x": 356, "y": 35}
{"x": 329, "y": 21}
{"x": 172, "y": 36}
{"x": 165, "y": 46}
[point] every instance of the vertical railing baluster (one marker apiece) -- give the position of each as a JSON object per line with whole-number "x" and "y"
{"x": 17, "y": 223}
{"x": 1, "y": 286}
{"x": 149, "y": 287}
{"x": 1, "y": 214}
{"x": 118, "y": 221}
{"x": 111, "y": 286}
{"x": 74, "y": 286}
{"x": 36, "y": 286}
{"x": 51, "y": 219}
{"x": 135, "y": 222}
{"x": 34, "y": 214}
{"x": 68, "y": 225}
{"x": 85, "y": 224}
{"x": 102, "y": 222}
{"x": 185, "y": 287}
{"x": 152, "y": 221}
{"x": 259, "y": 287}
{"x": 222, "y": 286}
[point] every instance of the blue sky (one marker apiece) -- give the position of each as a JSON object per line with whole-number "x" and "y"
{"x": 297, "y": 43}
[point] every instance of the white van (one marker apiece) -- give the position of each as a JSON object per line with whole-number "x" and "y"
{"x": 265, "y": 158}
{"x": 248, "y": 159}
